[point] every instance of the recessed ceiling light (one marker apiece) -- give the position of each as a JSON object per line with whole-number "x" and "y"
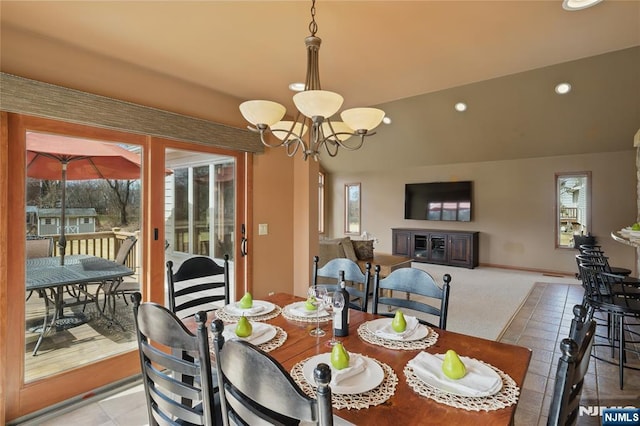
{"x": 386, "y": 120}
{"x": 460, "y": 106}
{"x": 297, "y": 87}
{"x": 563, "y": 88}
{"x": 578, "y": 4}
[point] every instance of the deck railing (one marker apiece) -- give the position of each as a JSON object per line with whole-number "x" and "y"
{"x": 102, "y": 244}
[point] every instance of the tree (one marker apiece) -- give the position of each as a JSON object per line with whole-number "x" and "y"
{"x": 122, "y": 192}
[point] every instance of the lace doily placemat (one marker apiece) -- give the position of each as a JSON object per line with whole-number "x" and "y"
{"x": 227, "y": 317}
{"x": 376, "y": 396}
{"x": 286, "y": 313}
{"x": 276, "y": 342}
{"x": 507, "y": 396}
{"x": 370, "y": 337}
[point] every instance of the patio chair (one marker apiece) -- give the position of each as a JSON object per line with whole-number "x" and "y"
{"x": 38, "y": 247}
{"x": 117, "y": 288}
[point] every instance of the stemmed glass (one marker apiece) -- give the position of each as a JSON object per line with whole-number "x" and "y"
{"x": 334, "y": 302}
{"x": 317, "y": 295}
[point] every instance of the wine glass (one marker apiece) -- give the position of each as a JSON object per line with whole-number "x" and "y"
{"x": 334, "y": 302}
{"x": 316, "y": 295}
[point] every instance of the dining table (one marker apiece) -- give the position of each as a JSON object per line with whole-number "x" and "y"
{"x": 401, "y": 398}
{"x": 47, "y": 277}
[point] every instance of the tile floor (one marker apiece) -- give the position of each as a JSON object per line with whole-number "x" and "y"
{"x": 541, "y": 324}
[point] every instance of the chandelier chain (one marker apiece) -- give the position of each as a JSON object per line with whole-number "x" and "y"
{"x": 313, "y": 27}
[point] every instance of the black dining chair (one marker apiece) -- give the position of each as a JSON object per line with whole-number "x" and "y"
{"x": 170, "y": 399}
{"x": 572, "y": 368}
{"x": 358, "y": 282}
{"x": 198, "y": 284}
{"x": 413, "y": 282}
{"x": 255, "y": 389}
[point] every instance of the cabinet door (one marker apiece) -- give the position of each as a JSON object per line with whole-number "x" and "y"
{"x": 438, "y": 248}
{"x": 460, "y": 250}
{"x": 402, "y": 243}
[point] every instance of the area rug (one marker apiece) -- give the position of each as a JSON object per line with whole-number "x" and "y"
{"x": 483, "y": 300}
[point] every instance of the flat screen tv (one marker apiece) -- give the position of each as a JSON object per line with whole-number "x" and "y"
{"x": 438, "y": 201}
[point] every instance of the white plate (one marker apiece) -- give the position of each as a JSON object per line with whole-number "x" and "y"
{"x": 369, "y": 379}
{"x": 446, "y": 386}
{"x": 269, "y": 332}
{"x": 420, "y": 332}
{"x": 235, "y": 310}
{"x": 293, "y": 309}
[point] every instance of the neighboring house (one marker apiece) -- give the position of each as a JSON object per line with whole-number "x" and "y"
{"x": 78, "y": 221}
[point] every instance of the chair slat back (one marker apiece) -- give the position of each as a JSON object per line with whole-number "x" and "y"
{"x": 255, "y": 388}
{"x": 358, "y": 298}
{"x": 125, "y": 248}
{"x": 209, "y": 292}
{"x": 572, "y": 368}
{"x": 177, "y": 388}
{"x": 39, "y": 247}
{"x": 414, "y": 282}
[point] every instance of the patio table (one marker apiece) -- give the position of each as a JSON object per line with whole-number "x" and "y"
{"x": 46, "y": 274}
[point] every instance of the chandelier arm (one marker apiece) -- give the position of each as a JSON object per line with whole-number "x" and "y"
{"x": 292, "y": 148}
{"x": 350, "y": 147}
{"x": 328, "y": 145}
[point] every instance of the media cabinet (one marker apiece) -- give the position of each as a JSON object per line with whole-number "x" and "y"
{"x": 453, "y": 248}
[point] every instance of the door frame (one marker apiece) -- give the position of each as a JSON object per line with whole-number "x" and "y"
{"x": 17, "y": 398}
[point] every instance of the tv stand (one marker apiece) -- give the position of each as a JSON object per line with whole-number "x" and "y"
{"x": 453, "y": 248}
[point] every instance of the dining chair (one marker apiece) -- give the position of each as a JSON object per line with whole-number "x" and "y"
{"x": 359, "y": 290}
{"x": 617, "y": 308}
{"x": 170, "y": 400}
{"x": 572, "y": 368}
{"x": 413, "y": 282}
{"x": 255, "y": 389}
{"x": 197, "y": 284}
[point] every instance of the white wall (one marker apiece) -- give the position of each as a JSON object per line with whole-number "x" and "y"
{"x": 513, "y": 206}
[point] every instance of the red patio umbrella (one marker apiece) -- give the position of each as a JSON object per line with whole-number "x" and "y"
{"x": 55, "y": 157}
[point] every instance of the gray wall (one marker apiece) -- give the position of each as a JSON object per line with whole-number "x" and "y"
{"x": 513, "y": 206}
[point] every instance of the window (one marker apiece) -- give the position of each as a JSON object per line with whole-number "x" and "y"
{"x": 352, "y": 208}
{"x": 573, "y": 207}
{"x": 321, "y": 195}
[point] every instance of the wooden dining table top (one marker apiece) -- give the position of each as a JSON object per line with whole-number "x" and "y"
{"x": 405, "y": 407}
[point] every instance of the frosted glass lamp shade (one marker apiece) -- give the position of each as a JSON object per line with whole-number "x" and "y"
{"x": 281, "y": 129}
{"x": 262, "y": 112}
{"x": 578, "y": 4}
{"x": 362, "y": 118}
{"x": 318, "y": 103}
{"x": 338, "y": 127}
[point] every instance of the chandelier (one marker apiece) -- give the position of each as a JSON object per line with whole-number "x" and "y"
{"x": 315, "y": 109}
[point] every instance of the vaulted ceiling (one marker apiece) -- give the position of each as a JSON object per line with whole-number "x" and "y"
{"x": 415, "y": 59}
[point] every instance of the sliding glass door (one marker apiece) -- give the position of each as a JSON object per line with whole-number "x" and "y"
{"x": 181, "y": 201}
{"x": 200, "y": 206}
